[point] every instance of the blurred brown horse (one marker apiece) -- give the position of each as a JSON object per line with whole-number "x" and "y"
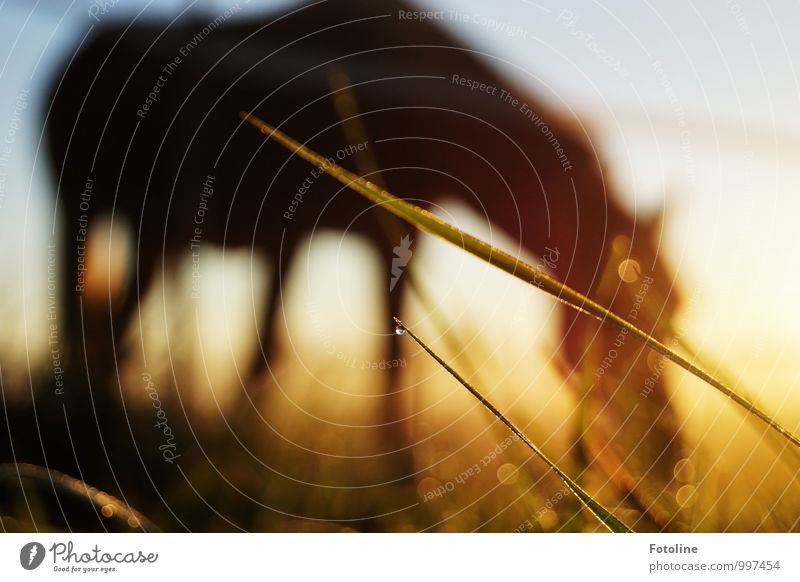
{"x": 147, "y": 116}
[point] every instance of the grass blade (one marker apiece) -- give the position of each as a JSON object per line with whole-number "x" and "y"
{"x": 428, "y": 222}
{"x": 604, "y": 515}
{"x": 63, "y": 483}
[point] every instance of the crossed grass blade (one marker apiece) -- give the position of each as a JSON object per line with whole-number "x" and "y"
{"x": 428, "y": 222}
{"x": 607, "y": 518}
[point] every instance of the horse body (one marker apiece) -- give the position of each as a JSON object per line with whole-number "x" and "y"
{"x": 150, "y": 117}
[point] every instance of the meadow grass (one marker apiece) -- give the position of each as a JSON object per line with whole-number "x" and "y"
{"x": 104, "y": 504}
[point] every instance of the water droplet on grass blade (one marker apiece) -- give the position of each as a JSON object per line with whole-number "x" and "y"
{"x": 629, "y": 270}
{"x": 686, "y": 496}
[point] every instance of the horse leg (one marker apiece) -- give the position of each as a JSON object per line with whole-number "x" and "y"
{"x": 68, "y": 322}
{"x": 395, "y": 425}
{"x": 272, "y": 301}
{"x": 138, "y": 282}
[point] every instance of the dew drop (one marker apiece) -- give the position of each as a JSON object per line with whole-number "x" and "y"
{"x": 684, "y": 470}
{"x": 686, "y": 496}
{"x": 507, "y": 474}
{"x": 427, "y": 485}
{"x": 629, "y": 270}
{"x": 621, "y": 244}
{"x": 548, "y": 519}
{"x": 399, "y": 330}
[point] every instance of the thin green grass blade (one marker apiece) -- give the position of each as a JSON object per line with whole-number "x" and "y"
{"x": 604, "y": 515}
{"x": 428, "y": 222}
